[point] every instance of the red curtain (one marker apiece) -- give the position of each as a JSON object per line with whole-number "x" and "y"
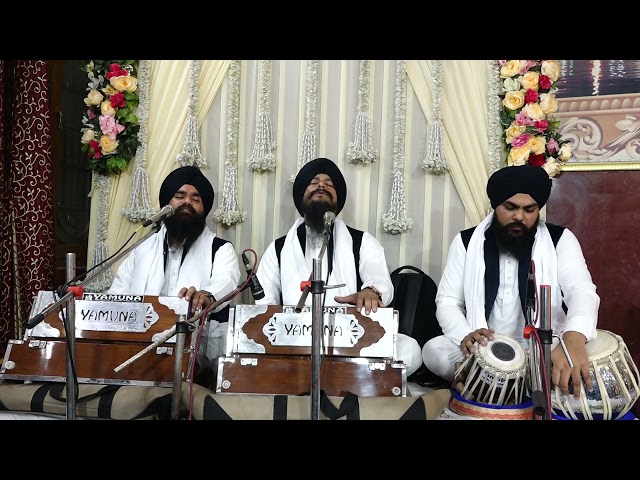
{"x": 26, "y": 189}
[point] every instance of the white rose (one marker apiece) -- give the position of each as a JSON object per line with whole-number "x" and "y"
{"x": 551, "y": 167}
{"x": 565, "y": 152}
{"x": 551, "y": 69}
{"x": 548, "y": 103}
{"x": 511, "y": 84}
{"x": 87, "y": 135}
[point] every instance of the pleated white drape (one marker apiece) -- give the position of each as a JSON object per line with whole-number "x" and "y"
{"x": 439, "y": 205}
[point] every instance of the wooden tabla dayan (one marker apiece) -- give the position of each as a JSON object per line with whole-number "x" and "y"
{"x": 615, "y": 381}
{"x": 496, "y": 374}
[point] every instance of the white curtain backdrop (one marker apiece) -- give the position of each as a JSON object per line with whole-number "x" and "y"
{"x": 439, "y": 205}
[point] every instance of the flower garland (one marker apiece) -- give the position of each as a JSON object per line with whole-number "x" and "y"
{"x": 262, "y": 157}
{"x": 229, "y": 212}
{"x": 528, "y": 102}
{"x": 395, "y": 221}
{"x": 361, "y": 151}
{"x": 435, "y": 161}
{"x": 190, "y": 154}
{"x": 101, "y": 252}
{"x": 493, "y": 121}
{"x": 110, "y": 131}
{"x": 139, "y": 207}
{"x": 308, "y": 146}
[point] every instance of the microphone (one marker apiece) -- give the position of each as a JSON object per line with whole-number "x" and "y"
{"x": 33, "y": 321}
{"x": 256, "y": 288}
{"x": 164, "y": 212}
{"x": 328, "y": 218}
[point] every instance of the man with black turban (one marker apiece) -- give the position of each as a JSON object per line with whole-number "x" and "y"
{"x": 484, "y": 288}
{"x": 185, "y": 258}
{"x": 320, "y": 187}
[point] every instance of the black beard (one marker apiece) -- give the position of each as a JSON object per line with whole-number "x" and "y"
{"x": 516, "y": 246}
{"x": 314, "y": 214}
{"x": 182, "y": 226}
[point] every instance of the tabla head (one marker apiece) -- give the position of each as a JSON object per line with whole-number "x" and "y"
{"x": 495, "y": 374}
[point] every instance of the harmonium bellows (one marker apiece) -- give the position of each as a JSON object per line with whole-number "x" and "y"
{"x": 109, "y": 331}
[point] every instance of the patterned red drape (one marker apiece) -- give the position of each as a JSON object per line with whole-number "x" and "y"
{"x": 26, "y": 189}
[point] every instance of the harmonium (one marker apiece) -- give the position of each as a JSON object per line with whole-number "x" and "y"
{"x": 269, "y": 351}
{"x": 114, "y": 335}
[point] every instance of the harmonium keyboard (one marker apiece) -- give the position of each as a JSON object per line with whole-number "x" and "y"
{"x": 111, "y": 332}
{"x": 269, "y": 350}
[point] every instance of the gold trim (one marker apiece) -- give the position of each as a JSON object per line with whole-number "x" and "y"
{"x": 598, "y": 166}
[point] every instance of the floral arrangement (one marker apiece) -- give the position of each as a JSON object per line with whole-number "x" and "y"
{"x": 530, "y": 131}
{"x": 110, "y": 126}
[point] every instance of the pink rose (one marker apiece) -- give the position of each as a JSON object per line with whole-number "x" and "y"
{"x": 541, "y": 125}
{"x": 521, "y": 140}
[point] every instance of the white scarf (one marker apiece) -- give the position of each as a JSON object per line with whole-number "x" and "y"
{"x": 150, "y": 270}
{"x": 296, "y": 271}
{"x": 546, "y": 273}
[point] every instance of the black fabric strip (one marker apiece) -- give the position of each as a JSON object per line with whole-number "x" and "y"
{"x": 37, "y": 400}
{"x": 106, "y": 402}
{"x": 417, "y": 411}
{"x": 212, "y": 411}
{"x": 280, "y": 407}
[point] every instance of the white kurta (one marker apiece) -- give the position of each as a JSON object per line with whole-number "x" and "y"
{"x": 142, "y": 273}
{"x": 297, "y": 267}
{"x": 460, "y": 298}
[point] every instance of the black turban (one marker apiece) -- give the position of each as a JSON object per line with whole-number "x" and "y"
{"x": 509, "y": 181}
{"x": 187, "y": 175}
{"x": 308, "y": 173}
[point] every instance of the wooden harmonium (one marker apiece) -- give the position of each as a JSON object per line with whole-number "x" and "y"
{"x": 280, "y": 330}
{"x": 291, "y": 375}
{"x": 109, "y": 331}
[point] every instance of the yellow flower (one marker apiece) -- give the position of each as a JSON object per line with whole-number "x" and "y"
{"x": 514, "y": 130}
{"x": 94, "y": 97}
{"x": 107, "y": 109}
{"x": 108, "y": 145}
{"x": 529, "y": 80}
{"x": 510, "y": 68}
{"x": 537, "y": 144}
{"x": 124, "y": 83}
{"x": 518, "y": 155}
{"x": 513, "y": 100}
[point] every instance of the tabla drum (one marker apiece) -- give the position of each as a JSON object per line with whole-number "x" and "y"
{"x": 496, "y": 374}
{"x": 615, "y": 381}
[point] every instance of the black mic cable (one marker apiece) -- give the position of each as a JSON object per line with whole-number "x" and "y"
{"x": 256, "y": 289}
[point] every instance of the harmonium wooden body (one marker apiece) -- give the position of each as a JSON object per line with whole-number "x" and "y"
{"x": 111, "y": 332}
{"x": 269, "y": 351}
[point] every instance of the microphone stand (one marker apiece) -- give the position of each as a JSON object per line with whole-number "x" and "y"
{"x": 181, "y": 327}
{"x": 76, "y": 291}
{"x": 316, "y": 285}
{"x": 540, "y": 394}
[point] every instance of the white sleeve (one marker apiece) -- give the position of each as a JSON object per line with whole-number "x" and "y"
{"x": 268, "y": 275}
{"x": 450, "y": 303}
{"x": 374, "y": 269}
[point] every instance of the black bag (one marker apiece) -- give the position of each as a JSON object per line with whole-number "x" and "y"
{"x": 415, "y": 299}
